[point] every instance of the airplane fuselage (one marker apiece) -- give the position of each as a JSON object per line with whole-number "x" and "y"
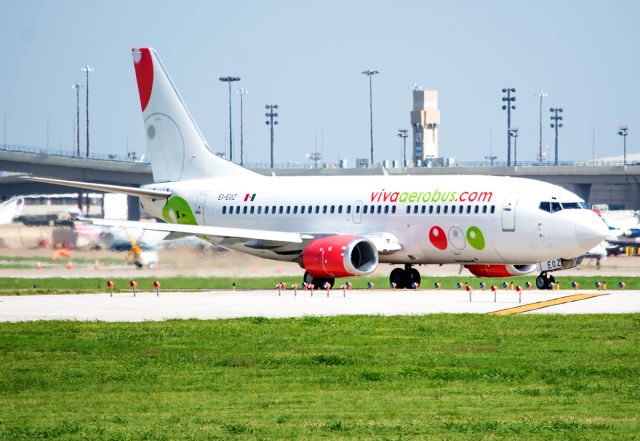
{"x": 424, "y": 219}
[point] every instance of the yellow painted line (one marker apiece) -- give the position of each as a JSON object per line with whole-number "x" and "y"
{"x": 544, "y": 304}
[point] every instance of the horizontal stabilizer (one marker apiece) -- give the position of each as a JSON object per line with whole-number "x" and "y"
{"x": 131, "y": 191}
{"x": 201, "y": 230}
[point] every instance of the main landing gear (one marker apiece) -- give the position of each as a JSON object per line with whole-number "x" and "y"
{"x": 318, "y": 282}
{"x": 545, "y": 281}
{"x": 406, "y": 277}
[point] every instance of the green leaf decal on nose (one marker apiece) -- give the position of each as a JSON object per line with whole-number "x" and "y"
{"x": 475, "y": 238}
{"x": 178, "y": 211}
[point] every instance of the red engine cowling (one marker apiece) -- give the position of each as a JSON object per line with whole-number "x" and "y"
{"x": 340, "y": 256}
{"x": 500, "y": 270}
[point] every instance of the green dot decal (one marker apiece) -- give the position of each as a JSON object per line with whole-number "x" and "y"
{"x": 475, "y": 238}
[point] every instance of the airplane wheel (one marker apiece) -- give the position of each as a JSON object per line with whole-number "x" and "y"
{"x": 318, "y": 282}
{"x": 399, "y": 277}
{"x": 550, "y": 281}
{"x": 413, "y": 277}
{"x": 544, "y": 281}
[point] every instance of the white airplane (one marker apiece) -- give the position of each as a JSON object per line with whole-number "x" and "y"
{"x": 10, "y": 209}
{"x": 343, "y": 226}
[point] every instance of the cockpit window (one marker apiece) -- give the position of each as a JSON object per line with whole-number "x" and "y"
{"x": 546, "y": 206}
{"x": 553, "y": 206}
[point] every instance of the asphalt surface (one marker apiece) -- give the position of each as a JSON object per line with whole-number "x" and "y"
{"x": 234, "y": 304}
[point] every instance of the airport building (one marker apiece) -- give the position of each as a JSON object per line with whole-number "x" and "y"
{"x": 425, "y": 121}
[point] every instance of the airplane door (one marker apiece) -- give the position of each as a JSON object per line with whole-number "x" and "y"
{"x": 199, "y": 212}
{"x": 509, "y": 212}
{"x": 357, "y": 212}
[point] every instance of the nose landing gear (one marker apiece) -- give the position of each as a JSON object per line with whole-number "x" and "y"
{"x": 406, "y": 277}
{"x": 545, "y": 281}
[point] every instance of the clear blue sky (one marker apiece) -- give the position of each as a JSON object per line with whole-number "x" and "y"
{"x": 307, "y": 58}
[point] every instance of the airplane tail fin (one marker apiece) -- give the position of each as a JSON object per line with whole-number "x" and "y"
{"x": 176, "y": 148}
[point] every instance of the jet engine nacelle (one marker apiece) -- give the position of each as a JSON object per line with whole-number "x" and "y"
{"x": 339, "y": 256}
{"x": 501, "y": 270}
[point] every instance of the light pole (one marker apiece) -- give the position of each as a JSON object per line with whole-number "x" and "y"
{"x": 402, "y": 134}
{"x": 76, "y": 87}
{"x": 242, "y": 92}
{"x": 370, "y": 73}
{"x": 556, "y": 124}
{"x": 87, "y": 69}
{"x": 230, "y": 80}
{"x": 624, "y": 131}
{"x": 508, "y": 99}
{"x": 315, "y": 156}
{"x": 270, "y": 122}
{"x": 540, "y": 94}
{"x": 514, "y": 134}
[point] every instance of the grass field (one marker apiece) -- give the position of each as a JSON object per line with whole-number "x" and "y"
{"x": 455, "y": 377}
{"x": 25, "y": 286}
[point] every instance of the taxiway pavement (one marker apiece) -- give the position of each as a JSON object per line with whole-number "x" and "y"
{"x": 124, "y": 307}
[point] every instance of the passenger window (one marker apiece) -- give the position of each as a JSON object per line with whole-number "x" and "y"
{"x": 238, "y": 209}
{"x": 357, "y": 209}
{"x": 423, "y": 209}
{"x": 437, "y": 209}
{"x": 339, "y": 209}
{"x": 476, "y": 209}
{"x": 281, "y": 209}
{"x": 324, "y": 209}
{"x": 224, "y": 210}
{"x": 251, "y": 210}
{"x": 302, "y": 209}
{"x": 333, "y": 209}
{"x": 493, "y": 209}
{"x": 379, "y": 209}
{"x": 364, "y": 209}
{"x": 348, "y": 209}
{"x": 295, "y": 209}
{"x": 430, "y": 209}
{"x": 446, "y": 207}
{"x": 468, "y": 209}
{"x": 484, "y": 209}
{"x": 259, "y": 209}
{"x": 393, "y": 209}
{"x": 317, "y": 209}
{"x": 372, "y": 209}
{"x": 386, "y": 209}
{"x": 408, "y": 209}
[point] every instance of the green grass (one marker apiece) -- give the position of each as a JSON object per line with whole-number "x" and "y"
{"x": 454, "y": 377}
{"x": 25, "y": 286}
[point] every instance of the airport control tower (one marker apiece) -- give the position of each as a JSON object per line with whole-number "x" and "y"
{"x": 425, "y": 120}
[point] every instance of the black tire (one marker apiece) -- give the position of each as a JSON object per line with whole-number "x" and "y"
{"x": 399, "y": 277}
{"x": 413, "y": 277}
{"x": 550, "y": 282}
{"x": 318, "y": 282}
{"x": 541, "y": 281}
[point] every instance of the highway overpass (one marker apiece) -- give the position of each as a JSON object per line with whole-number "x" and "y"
{"x": 615, "y": 185}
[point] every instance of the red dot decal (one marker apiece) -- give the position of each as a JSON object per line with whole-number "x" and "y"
{"x": 438, "y": 238}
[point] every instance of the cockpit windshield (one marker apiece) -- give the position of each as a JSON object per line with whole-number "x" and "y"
{"x": 553, "y": 206}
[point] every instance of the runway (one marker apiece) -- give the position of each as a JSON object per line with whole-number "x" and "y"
{"x": 236, "y": 304}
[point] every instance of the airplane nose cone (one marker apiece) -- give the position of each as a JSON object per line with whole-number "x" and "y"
{"x": 590, "y": 232}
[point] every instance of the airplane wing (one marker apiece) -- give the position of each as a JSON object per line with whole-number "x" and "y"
{"x": 386, "y": 243}
{"x": 200, "y": 230}
{"x": 131, "y": 191}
